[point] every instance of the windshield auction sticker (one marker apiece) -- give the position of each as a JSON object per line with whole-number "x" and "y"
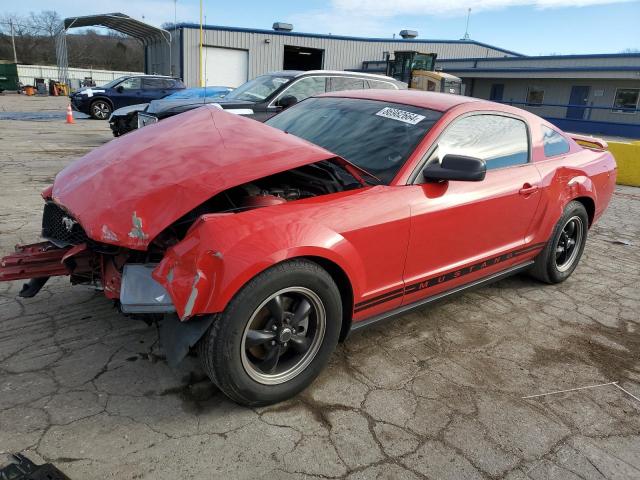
{"x": 400, "y": 115}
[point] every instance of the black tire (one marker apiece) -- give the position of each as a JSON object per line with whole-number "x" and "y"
{"x": 224, "y": 349}
{"x": 556, "y": 262}
{"x": 100, "y": 109}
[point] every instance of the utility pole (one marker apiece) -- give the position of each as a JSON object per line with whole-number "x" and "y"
{"x": 201, "y": 72}
{"x": 13, "y": 42}
{"x": 466, "y": 30}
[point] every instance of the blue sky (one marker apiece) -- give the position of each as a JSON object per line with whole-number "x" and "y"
{"x": 532, "y": 27}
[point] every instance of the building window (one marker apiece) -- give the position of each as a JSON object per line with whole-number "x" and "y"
{"x": 535, "y": 96}
{"x": 497, "y": 91}
{"x": 626, "y": 100}
{"x": 554, "y": 143}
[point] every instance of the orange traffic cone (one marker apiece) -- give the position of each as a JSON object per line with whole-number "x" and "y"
{"x": 69, "y": 114}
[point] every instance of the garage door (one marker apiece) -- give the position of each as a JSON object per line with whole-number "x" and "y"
{"x": 225, "y": 66}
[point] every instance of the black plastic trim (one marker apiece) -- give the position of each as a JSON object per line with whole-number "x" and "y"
{"x": 357, "y": 326}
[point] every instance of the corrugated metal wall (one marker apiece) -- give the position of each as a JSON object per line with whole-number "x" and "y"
{"x": 27, "y": 74}
{"x": 560, "y": 61}
{"x": 339, "y": 54}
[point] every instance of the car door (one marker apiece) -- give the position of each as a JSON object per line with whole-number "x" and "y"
{"x": 154, "y": 88}
{"x": 462, "y": 231}
{"x": 128, "y": 92}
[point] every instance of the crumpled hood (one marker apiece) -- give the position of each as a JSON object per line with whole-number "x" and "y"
{"x": 130, "y": 189}
{"x": 157, "y": 107}
{"x": 123, "y": 111}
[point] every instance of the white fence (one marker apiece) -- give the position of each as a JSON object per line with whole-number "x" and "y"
{"x": 28, "y": 73}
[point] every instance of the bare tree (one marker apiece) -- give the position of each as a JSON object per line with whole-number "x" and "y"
{"x": 35, "y": 43}
{"x": 46, "y": 23}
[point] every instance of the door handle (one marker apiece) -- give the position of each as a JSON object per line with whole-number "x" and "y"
{"x": 528, "y": 189}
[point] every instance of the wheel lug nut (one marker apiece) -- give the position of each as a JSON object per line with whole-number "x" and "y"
{"x": 273, "y": 342}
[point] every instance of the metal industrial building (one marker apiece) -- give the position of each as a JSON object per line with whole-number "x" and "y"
{"x": 584, "y": 93}
{"x": 231, "y": 55}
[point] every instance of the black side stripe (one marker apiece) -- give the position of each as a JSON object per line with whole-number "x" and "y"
{"x": 445, "y": 277}
{"x": 384, "y": 296}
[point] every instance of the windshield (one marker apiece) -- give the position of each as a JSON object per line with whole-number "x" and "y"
{"x": 113, "y": 83}
{"x": 259, "y": 88}
{"x": 376, "y": 136}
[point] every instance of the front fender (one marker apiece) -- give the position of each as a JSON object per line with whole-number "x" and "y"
{"x": 221, "y": 253}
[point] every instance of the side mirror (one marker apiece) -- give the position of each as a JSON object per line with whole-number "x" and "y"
{"x": 456, "y": 167}
{"x": 287, "y": 101}
{"x": 120, "y": 89}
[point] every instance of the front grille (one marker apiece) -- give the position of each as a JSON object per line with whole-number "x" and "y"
{"x": 61, "y": 228}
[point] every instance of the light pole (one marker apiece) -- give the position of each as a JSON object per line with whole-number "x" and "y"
{"x": 13, "y": 42}
{"x": 200, "y": 56}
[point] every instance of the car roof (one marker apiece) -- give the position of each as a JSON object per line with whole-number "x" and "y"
{"x": 144, "y": 75}
{"x": 284, "y": 73}
{"x": 299, "y": 73}
{"x": 373, "y": 76}
{"x": 418, "y": 98}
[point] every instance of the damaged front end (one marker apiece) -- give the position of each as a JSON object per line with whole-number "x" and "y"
{"x": 123, "y": 274}
{"x": 117, "y": 218}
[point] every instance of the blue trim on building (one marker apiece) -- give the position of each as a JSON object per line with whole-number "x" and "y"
{"x": 545, "y": 69}
{"x": 628, "y": 130}
{"x": 568, "y": 105}
{"x": 546, "y": 57}
{"x": 342, "y": 37}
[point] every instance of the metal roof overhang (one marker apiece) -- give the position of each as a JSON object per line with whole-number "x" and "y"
{"x": 120, "y": 23}
{"x": 621, "y": 72}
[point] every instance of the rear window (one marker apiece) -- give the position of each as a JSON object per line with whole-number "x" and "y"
{"x": 376, "y": 136}
{"x": 381, "y": 84}
{"x": 554, "y": 143}
{"x": 338, "y": 84}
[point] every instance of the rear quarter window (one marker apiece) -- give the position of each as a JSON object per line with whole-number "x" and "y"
{"x": 554, "y": 143}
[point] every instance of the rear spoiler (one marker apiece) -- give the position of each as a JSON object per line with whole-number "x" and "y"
{"x": 590, "y": 142}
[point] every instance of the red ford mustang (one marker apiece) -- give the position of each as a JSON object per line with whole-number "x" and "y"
{"x": 263, "y": 245}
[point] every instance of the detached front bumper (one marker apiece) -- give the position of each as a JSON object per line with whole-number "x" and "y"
{"x": 39, "y": 261}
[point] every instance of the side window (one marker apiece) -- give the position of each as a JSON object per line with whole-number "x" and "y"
{"x": 379, "y": 84}
{"x": 131, "y": 84}
{"x": 499, "y": 141}
{"x": 306, "y": 87}
{"x": 554, "y": 143}
{"x": 154, "y": 83}
{"x": 176, "y": 83}
{"x": 337, "y": 84}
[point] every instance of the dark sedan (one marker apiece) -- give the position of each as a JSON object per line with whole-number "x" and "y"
{"x": 262, "y": 97}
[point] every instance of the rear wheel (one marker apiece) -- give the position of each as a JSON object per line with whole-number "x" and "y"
{"x": 100, "y": 109}
{"x": 562, "y": 253}
{"x": 275, "y": 336}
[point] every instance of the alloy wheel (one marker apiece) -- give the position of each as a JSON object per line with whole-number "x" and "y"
{"x": 283, "y": 335}
{"x": 101, "y": 110}
{"x": 568, "y": 245}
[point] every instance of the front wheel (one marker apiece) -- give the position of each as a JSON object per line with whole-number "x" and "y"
{"x": 562, "y": 253}
{"x": 276, "y": 334}
{"x": 100, "y": 109}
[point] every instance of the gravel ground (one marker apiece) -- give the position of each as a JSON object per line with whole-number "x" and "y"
{"x": 437, "y": 394}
